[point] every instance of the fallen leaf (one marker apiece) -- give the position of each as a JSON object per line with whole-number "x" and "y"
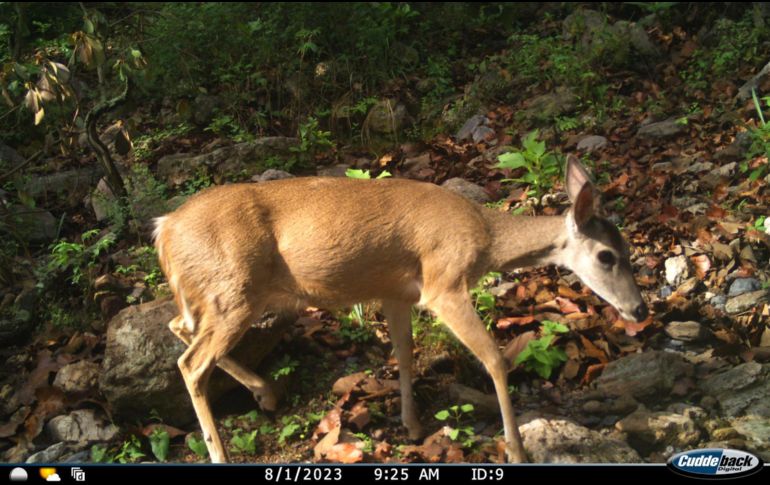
{"x": 592, "y": 373}
{"x": 329, "y": 422}
{"x": 359, "y": 415}
{"x": 13, "y": 423}
{"x": 326, "y": 444}
{"x": 345, "y": 453}
{"x": 172, "y": 431}
{"x": 506, "y": 322}
{"x": 702, "y": 265}
{"x": 382, "y": 451}
{"x": 454, "y": 454}
{"x": 516, "y": 345}
{"x": 592, "y": 350}
{"x": 566, "y": 305}
{"x": 345, "y": 384}
{"x": 37, "y": 378}
{"x": 568, "y": 292}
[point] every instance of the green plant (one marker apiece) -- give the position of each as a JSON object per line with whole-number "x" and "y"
{"x": 760, "y": 140}
{"x": 76, "y": 260}
{"x": 159, "y": 443}
{"x": 100, "y": 454}
{"x": 284, "y": 367}
{"x": 484, "y": 301}
{"x": 244, "y": 442}
{"x": 291, "y": 426}
{"x": 130, "y": 451}
{"x": 458, "y": 414}
{"x": 539, "y": 355}
{"x": 198, "y": 446}
{"x": 367, "y": 440}
{"x": 355, "y": 326}
{"x": 566, "y": 123}
{"x": 226, "y": 125}
{"x": 312, "y": 139}
{"x": 355, "y": 173}
{"x": 541, "y": 167}
{"x": 201, "y": 181}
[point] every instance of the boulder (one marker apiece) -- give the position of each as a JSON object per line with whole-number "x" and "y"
{"x": 78, "y": 377}
{"x": 469, "y": 190}
{"x": 139, "y": 371}
{"x": 661, "y": 429}
{"x": 644, "y": 376}
{"x": 386, "y": 117}
{"x": 743, "y": 390}
{"x": 661, "y": 129}
{"x": 562, "y": 441}
{"x": 81, "y": 426}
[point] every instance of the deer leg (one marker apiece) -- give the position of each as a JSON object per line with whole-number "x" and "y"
{"x": 399, "y": 318}
{"x": 455, "y": 309}
{"x": 261, "y": 390}
{"x": 214, "y": 338}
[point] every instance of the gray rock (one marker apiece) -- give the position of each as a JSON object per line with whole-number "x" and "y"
{"x": 81, "y": 426}
{"x": 660, "y": 428}
{"x": 483, "y": 133}
{"x": 718, "y": 301}
{"x": 746, "y": 301}
{"x": 677, "y": 270}
{"x": 414, "y": 165}
{"x": 333, "y": 171}
{"x": 204, "y": 108}
{"x": 469, "y": 190}
{"x": 546, "y": 106}
{"x": 743, "y": 390}
{"x": 139, "y": 370}
{"x": 638, "y": 38}
{"x": 271, "y": 174}
{"x": 592, "y": 143}
{"x": 756, "y": 431}
{"x": 37, "y": 226}
{"x": 740, "y": 286}
{"x": 666, "y": 291}
{"x": 178, "y": 168}
{"x": 644, "y": 376}
{"x": 562, "y": 441}
{"x": 103, "y": 201}
{"x": 71, "y": 186}
{"x": 466, "y": 131}
{"x": 744, "y": 92}
{"x": 50, "y": 454}
{"x": 735, "y": 151}
{"x": 78, "y": 377}
{"x": 661, "y": 129}
{"x": 483, "y": 403}
{"x": 690, "y": 331}
{"x": 15, "y": 329}
{"x": 386, "y": 117}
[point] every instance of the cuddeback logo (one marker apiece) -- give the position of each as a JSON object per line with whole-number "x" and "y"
{"x": 715, "y": 463}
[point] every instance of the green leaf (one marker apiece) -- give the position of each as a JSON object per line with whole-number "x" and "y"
{"x": 442, "y": 415}
{"x": 454, "y": 434}
{"x": 159, "y": 442}
{"x": 466, "y": 408}
{"x": 384, "y": 174}
{"x": 554, "y": 327}
{"x": 356, "y": 173}
{"x": 512, "y": 160}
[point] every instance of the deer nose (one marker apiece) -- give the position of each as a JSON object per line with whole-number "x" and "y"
{"x": 641, "y": 312}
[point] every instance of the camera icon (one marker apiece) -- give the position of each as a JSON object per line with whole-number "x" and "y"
{"x": 78, "y": 474}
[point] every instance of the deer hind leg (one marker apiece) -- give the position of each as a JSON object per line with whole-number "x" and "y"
{"x": 399, "y": 318}
{"x": 260, "y": 388}
{"x": 457, "y": 312}
{"x": 216, "y": 336}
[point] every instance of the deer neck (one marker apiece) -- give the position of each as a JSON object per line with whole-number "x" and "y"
{"x": 522, "y": 241}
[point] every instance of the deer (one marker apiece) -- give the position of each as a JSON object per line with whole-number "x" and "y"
{"x": 232, "y": 252}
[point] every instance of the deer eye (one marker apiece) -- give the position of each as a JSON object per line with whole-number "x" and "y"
{"x": 606, "y": 258}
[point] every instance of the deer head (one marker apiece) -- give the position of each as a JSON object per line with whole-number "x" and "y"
{"x": 595, "y": 251}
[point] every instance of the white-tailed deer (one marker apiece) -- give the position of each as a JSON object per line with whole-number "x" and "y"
{"x": 232, "y": 252}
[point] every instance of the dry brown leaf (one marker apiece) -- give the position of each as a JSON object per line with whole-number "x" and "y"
{"x": 37, "y": 378}
{"x": 567, "y": 306}
{"x": 592, "y": 373}
{"x": 567, "y": 292}
{"x": 506, "y": 322}
{"x": 702, "y": 265}
{"x": 326, "y": 444}
{"x": 172, "y": 431}
{"x": 359, "y": 415}
{"x": 454, "y": 454}
{"x": 330, "y": 421}
{"x": 345, "y": 453}
{"x": 591, "y": 350}
{"x": 516, "y": 346}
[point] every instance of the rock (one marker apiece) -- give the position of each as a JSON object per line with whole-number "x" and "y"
{"x": 71, "y": 186}
{"x": 562, "y": 441}
{"x": 15, "y": 329}
{"x": 483, "y": 133}
{"x": 744, "y": 92}
{"x": 660, "y": 429}
{"x": 646, "y": 375}
{"x": 334, "y": 171}
{"x": 677, "y": 270}
{"x": 50, "y": 454}
{"x": 78, "y": 377}
{"x": 482, "y": 403}
{"x": 767, "y": 226}
{"x": 746, "y": 301}
{"x": 204, "y": 108}
{"x": 743, "y": 285}
{"x": 592, "y": 143}
{"x": 594, "y": 407}
{"x": 661, "y": 129}
{"x": 103, "y": 201}
{"x": 611, "y": 43}
{"x": 414, "y": 165}
{"x": 718, "y": 301}
{"x": 469, "y": 190}
{"x": 38, "y": 226}
{"x": 9, "y": 156}
{"x": 386, "y": 117}
{"x": 690, "y": 285}
{"x": 140, "y": 373}
{"x": 756, "y": 431}
{"x": 638, "y": 37}
{"x": 743, "y": 390}
{"x": 178, "y": 168}
{"x": 466, "y": 131}
{"x": 734, "y": 152}
{"x": 765, "y": 339}
{"x": 547, "y": 106}
{"x": 81, "y": 426}
{"x": 666, "y": 291}
{"x": 689, "y": 331}
{"x": 271, "y": 174}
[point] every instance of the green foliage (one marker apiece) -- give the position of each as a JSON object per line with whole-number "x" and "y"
{"x": 202, "y": 180}
{"x": 226, "y": 126}
{"x": 159, "y": 443}
{"x": 539, "y": 355}
{"x": 291, "y": 427}
{"x": 243, "y": 442}
{"x": 198, "y": 446}
{"x": 130, "y": 451}
{"x": 760, "y": 140}
{"x": 542, "y": 167}
{"x": 77, "y": 259}
{"x": 144, "y": 144}
{"x": 356, "y": 173}
{"x": 355, "y": 326}
{"x": 484, "y": 301}
{"x": 312, "y": 139}
{"x": 284, "y": 366}
{"x": 458, "y": 414}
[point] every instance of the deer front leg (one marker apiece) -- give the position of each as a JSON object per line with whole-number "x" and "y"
{"x": 261, "y": 390}
{"x": 456, "y": 311}
{"x": 399, "y": 317}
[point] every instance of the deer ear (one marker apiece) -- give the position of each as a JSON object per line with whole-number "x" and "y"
{"x": 577, "y": 178}
{"x": 583, "y": 207}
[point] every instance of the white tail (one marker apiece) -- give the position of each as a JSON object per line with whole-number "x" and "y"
{"x": 232, "y": 252}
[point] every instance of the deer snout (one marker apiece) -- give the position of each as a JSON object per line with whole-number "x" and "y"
{"x": 641, "y": 312}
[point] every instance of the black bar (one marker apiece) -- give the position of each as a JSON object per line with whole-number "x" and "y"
{"x": 356, "y": 474}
